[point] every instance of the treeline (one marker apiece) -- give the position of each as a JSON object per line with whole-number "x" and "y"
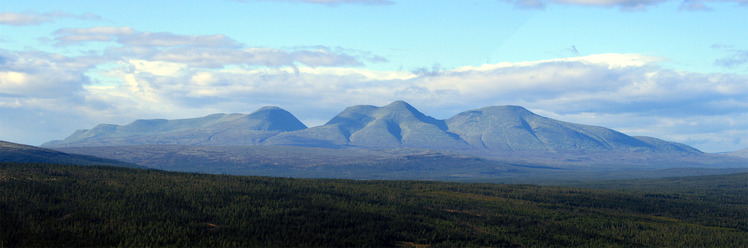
{"x": 61, "y": 205}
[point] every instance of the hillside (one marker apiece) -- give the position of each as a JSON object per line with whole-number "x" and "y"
{"x": 743, "y": 153}
{"x": 12, "y": 152}
{"x": 513, "y": 128}
{"x": 397, "y": 125}
{"x": 54, "y": 205}
{"x": 216, "y": 129}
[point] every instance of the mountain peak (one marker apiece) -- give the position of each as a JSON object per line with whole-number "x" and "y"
{"x": 271, "y": 118}
{"x": 267, "y": 108}
{"x": 397, "y": 124}
{"x": 506, "y": 109}
{"x": 513, "y": 128}
{"x": 401, "y": 109}
{"x": 398, "y": 104}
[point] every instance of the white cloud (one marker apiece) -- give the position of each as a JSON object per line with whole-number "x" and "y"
{"x": 625, "y": 5}
{"x": 132, "y": 37}
{"x": 332, "y": 2}
{"x": 38, "y": 74}
{"x": 25, "y": 19}
{"x": 158, "y": 68}
{"x": 70, "y": 36}
{"x": 208, "y": 51}
{"x": 17, "y": 19}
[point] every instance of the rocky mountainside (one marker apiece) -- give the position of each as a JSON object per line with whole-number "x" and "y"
{"x": 216, "y": 129}
{"x": 18, "y": 153}
{"x": 495, "y": 129}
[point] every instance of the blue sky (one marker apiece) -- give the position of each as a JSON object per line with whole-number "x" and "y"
{"x": 671, "y": 69}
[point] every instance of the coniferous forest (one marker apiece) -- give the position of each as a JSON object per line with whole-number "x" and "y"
{"x": 66, "y": 205}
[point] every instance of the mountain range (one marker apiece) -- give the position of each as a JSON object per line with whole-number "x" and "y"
{"x": 495, "y": 129}
{"x": 395, "y": 141}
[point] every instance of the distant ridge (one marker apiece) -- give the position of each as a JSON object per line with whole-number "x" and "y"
{"x": 514, "y": 128}
{"x": 742, "y": 153}
{"x": 18, "y": 153}
{"x": 215, "y": 129}
{"x": 492, "y": 130}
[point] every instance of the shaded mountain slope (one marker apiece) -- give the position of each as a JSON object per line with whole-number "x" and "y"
{"x": 18, "y": 153}
{"x": 395, "y": 125}
{"x": 513, "y": 128}
{"x": 216, "y": 129}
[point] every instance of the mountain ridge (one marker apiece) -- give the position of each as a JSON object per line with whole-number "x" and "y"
{"x": 491, "y": 129}
{"x": 19, "y": 153}
{"x": 397, "y": 124}
{"x": 214, "y": 129}
{"x": 742, "y": 153}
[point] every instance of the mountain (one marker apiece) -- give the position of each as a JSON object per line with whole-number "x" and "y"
{"x": 216, "y": 129}
{"x": 489, "y": 130}
{"x": 397, "y": 125}
{"x": 18, "y": 153}
{"x": 743, "y": 153}
{"x": 514, "y": 128}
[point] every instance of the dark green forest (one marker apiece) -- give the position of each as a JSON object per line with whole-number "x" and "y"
{"x": 65, "y": 205}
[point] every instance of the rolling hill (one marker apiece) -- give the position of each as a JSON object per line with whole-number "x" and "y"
{"x": 743, "y": 153}
{"x": 18, "y": 153}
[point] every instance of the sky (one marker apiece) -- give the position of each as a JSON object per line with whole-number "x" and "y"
{"x": 671, "y": 69}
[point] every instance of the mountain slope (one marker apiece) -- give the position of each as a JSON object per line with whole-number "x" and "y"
{"x": 18, "y": 153}
{"x": 743, "y": 153}
{"x": 395, "y": 125}
{"x": 513, "y": 128}
{"x": 216, "y": 129}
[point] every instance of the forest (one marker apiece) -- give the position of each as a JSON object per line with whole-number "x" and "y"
{"x": 68, "y": 205}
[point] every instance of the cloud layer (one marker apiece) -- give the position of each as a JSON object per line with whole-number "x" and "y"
{"x": 25, "y": 19}
{"x": 208, "y": 51}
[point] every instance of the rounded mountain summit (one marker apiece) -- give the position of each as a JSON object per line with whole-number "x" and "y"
{"x": 215, "y": 129}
